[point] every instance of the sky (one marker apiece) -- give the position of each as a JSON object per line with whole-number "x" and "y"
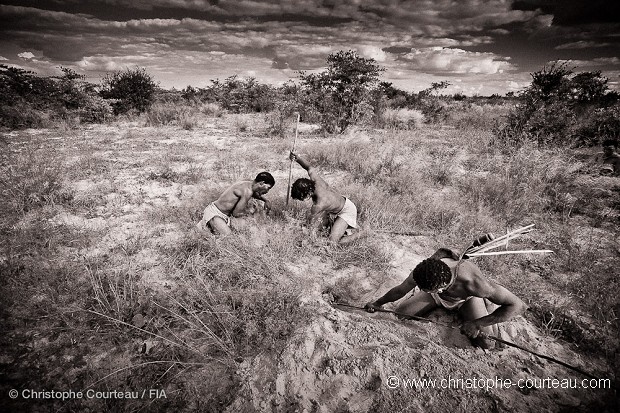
{"x": 480, "y": 47}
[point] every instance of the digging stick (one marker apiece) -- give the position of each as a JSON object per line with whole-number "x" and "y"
{"x": 508, "y": 343}
{"x": 290, "y": 169}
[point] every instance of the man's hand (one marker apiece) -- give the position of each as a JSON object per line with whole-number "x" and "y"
{"x": 293, "y": 156}
{"x": 470, "y": 328}
{"x": 266, "y": 205}
{"x": 372, "y": 307}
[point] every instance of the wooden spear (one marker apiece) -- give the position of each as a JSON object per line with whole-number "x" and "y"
{"x": 290, "y": 169}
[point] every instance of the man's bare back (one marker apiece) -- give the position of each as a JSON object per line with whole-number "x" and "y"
{"x": 462, "y": 287}
{"x": 325, "y": 201}
{"x": 234, "y": 202}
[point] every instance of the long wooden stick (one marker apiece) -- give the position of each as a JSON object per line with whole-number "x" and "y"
{"x": 480, "y": 254}
{"x": 290, "y": 168}
{"x": 498, "y": 242}
{"x": 508, "y": 343}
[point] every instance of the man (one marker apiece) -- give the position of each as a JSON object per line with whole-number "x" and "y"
{"x": 325, "y": 201}
{"x": 447, "y": 282}
{"x": 609, "y": 160}
{"x": 234, "y": 202}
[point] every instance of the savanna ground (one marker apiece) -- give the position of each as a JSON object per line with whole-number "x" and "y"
{"x": 107, "y": 286}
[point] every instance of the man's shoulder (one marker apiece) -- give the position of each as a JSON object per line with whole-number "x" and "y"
{"x": 242, "y": 186}
{"x": 469, "y": 271}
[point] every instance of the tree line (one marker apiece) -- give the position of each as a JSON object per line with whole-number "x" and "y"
{"x": 558, "y": 106}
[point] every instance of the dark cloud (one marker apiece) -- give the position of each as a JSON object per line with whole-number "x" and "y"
{"x": 397, "y": 49}
{"x": 574, "y": 12}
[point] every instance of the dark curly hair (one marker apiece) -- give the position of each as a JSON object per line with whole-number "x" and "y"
{"x": 432, "y": 274}
{"x": 302, "y": 188}
{"x": 265, "y": 177}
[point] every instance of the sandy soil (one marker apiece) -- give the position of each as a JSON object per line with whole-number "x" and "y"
{"x": 343, "y": 359}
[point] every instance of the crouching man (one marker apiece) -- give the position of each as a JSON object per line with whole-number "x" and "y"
{"x": 458, "y": 286}
{"x": 234, "y": 202}
{"x": 326, "y": 203}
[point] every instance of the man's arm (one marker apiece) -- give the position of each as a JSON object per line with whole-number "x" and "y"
{"x": 509, "y": 306}
{"x": 394, "y": 294}
{"x": 265, "y": 201}
{"x": 240, "y": 207}
{"x": 312, "y": 173}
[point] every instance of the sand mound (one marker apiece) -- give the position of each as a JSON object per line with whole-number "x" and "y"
{"x": 349, "y": 360}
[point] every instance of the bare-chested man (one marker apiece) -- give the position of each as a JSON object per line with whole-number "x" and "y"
{"x": 609, "y": 160}
{"x": 454, "y": 285}
{"x": 234, "y": 202}
{"x": 325, "y": 201}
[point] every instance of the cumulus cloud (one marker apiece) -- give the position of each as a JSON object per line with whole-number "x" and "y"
{"x": 111, "y": 63}
{"x": 3, "y": 58}
{"x": 372, "y": 52}
{"x": 26, "y": 55}
{"x": 440, "y": 59}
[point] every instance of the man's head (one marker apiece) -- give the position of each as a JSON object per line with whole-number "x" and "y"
{"x": 610, "y": 146}
{"x": 302, "y": 189}
{"x": 432, "y": 275}
{"x": 263, "y": 183}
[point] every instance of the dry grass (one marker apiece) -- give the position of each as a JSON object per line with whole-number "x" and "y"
{"x": 104, "y": 271}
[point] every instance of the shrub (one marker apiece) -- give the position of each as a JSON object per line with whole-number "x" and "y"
{"x": 94, "y": 109}
{"x": 405, "y": 119}
{"x": 342, "y": 93}
{"x": 211, "y": 109}
{"x": 562, "y": 109}
{"x": 27, "y": 100}
{"x": 598, "y": 124}
{"x": 131, "y": 89}
{"x": 279, "y": 119}
{"x": 161, "y": 114}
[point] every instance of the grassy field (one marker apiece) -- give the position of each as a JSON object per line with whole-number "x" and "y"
{"x": 108, "y": 287}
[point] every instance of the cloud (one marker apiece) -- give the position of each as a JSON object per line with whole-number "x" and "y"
{"x": 573, "y": 12}
{"x": 3, "y": 58}
{"x": 440, "y": 59}
{"x": 26, "y": 55}
{"x": 372, "y": 52}
{"x": 597, "y": 62}
{"x": 582, "y": 44}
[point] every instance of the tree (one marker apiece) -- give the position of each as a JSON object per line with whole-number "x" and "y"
{"x": 342, "y": 92}
{"x": 587, "y": 86}
{"x": 131, "y": 89}
{"x": 561, "y": 108}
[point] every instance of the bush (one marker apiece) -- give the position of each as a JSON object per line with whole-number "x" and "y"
{"x": 405, "y": 119}
{"x": 28, "y": 100}
{"x": 341, "y": 95}
{"x": 598, "y": 124}
{"x": 94, "y": 109}
{"x": 161, "y": 114}
{"x": 212, "y": 110}
{"x": 131, "y": 89}
{"x": 560, "y": 108}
